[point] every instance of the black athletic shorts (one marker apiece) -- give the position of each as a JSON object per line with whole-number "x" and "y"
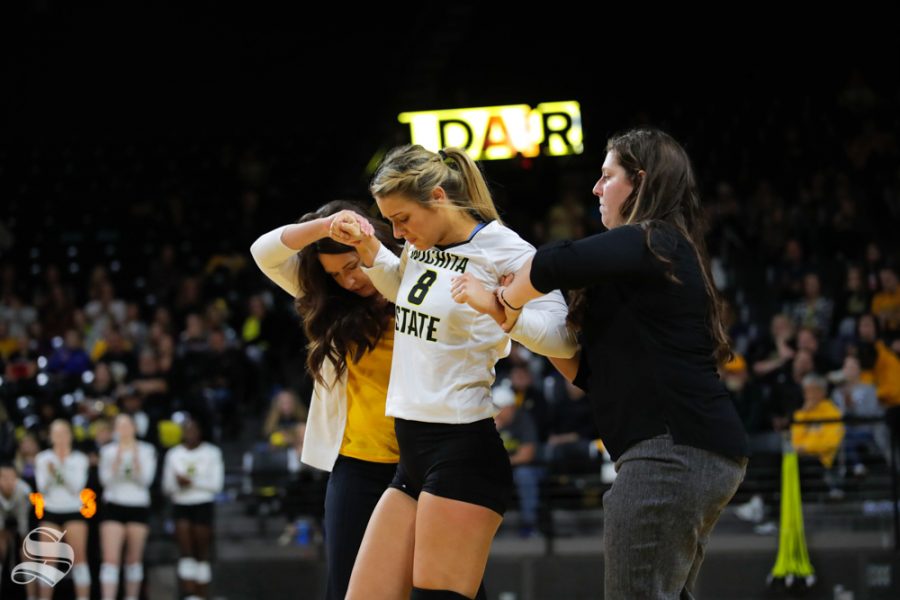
{"x": 125, "y": 514}
{"x": 59, "y": 518}
{"x": 465, "y": 462}
{"x": 200, "y": 514}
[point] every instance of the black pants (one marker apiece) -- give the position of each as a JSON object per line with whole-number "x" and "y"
{"x": 354, "y": 488}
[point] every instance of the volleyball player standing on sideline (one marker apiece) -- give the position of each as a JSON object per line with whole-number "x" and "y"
{"x": 434, "y": 527}
{"x": 61, "y": 474}
{"x": 127, "y": 468}
{"x": 193, "y": 474}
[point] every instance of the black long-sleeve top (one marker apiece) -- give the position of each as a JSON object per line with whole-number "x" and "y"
{"x": 647, "y": 352}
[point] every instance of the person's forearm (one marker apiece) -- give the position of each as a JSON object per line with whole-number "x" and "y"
{"x": 567, "y": 367}
{"x": 301, "y": 235}
{"x": 368, "y": 250}
{"x": 520, "y": 290}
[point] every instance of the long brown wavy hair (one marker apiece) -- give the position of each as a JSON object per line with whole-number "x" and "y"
{"x": 665, "y": 197}
{"x": 337, "y": 322}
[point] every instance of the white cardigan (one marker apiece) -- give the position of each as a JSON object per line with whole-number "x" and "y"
{"x": 536, "y": 329}
{"x": 328, "y": 409}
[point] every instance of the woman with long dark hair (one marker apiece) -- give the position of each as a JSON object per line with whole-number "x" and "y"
{"x": 349, "y": 327}
{"x": 651, "y": 332}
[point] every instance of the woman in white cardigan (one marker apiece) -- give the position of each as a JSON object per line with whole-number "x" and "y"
{"x": 350, "y": 330}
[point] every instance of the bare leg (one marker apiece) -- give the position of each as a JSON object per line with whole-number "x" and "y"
{"x": 453, "y": 540}
{"x": 383, "y": 569}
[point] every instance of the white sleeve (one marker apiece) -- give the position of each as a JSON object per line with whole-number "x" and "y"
{"x": 277, "y": 260}
{"x": 542, "y": 327}
{"x": 77, "y": 473}
{"x": 147, "y": 455}
{"x": 41, "y": 475}
{"x": 105, "y": 467}
{"x": 212, "y": 478}
{"x": 169, "y": 485}
{"x": 386, "y": 271}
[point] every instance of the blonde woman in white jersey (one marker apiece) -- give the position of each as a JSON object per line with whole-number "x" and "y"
{"x": 61, "y": 474}
{"x": 127, "y": 467}
{"x": 435, "y": 525}
{"x": 193, "y": 473}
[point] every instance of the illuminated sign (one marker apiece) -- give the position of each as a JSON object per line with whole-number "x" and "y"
{"x": 497, "y": 132}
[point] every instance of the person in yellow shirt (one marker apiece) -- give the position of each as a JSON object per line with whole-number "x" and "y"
{"x": 886, "y": 304}
{"x": 819, "y": 439}
{"x": 350, "y": 331}
{"x": 881, "y": 368}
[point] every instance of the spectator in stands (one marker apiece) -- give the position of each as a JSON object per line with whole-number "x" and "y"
{"x": 25, "y": 457}
{"x": 116, "y": 351}
{"x": 813, "y": 310}
{"x": 852, "y": 302}
{"x": 7, "y": 436}
{"x": 856, "y": 399}
{"x": 886, "y": 305}
{"x": 880, "y": 368}
{"x": 753, "y": 408}
{"x": 771, "y": 354}
{"x": 56, "y": 317}
{"x": 15, "y": 521}
{"x": 105, "y": 310}
{"x": 520, "y": 438}
{"x": 570, "y": 431}
{"x": 152, "y": 386}
{"x": 786, "y": 391}
{"x": 70, "y": 359}
{"x": 285, "y": 414}
{"x": 808, "y": 340}
{"x": 821, "y": 440}
{"x": 223, "y": 383}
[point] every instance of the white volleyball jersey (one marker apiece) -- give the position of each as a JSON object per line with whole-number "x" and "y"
{"x": 62, "y": 484}
{"x": 444, "y": 352}
{"x": 203, "y": 466}
{"x": 128, "y": 483}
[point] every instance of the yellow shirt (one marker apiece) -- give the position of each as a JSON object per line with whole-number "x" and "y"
{"x": 885, "y": 376}
{"x": 821, "y": 439}
{"x": 369, "y": 434}
{"x": 887, "y": 305}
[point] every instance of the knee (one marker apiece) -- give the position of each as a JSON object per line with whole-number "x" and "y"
{"x": 134, "y": 572}
{"x": 81, "y": 574}
{"x": 204, "y": 572}
{"x": 109, "y": 574}
{"x": 187, "y": 568}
